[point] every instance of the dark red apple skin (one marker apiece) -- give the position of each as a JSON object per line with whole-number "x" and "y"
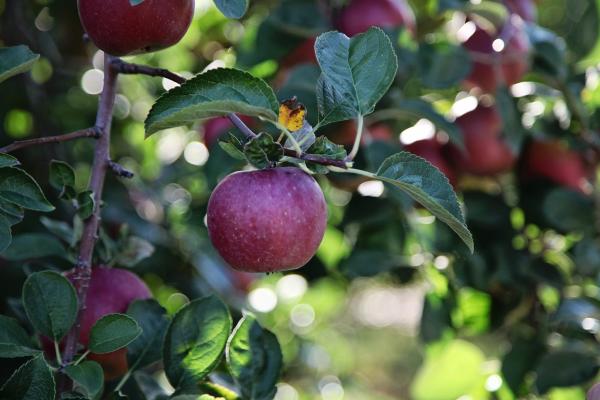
{"x": 432, "y": 150}
{"x": 594, "y": 392}
{"x": 267, "y": 220}
{"x": 499, "y": 68}
{"x": 381, "y": 132}
{"x": 486, "y": 153}
{"x": 523, "y": 8}
{"x": 111, "y": 291}
{"x": 359, "y": 15}
{"x": 553, "y": 160}
{"x": 214, "y": 128}
{"x": 118, "y": 28}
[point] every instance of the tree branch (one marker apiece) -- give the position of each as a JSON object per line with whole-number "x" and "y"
{"x": 84, "y": 133}
{"x": 120, "y": 170}
{"x": 83, "y": 269}
{"x": 129, "y": 68}
{"x": 123, "y": 67}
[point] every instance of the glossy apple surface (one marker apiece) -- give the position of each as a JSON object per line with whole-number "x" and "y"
{"x": 111, "y": 291}
{"x": 359, "y": 15}
{"x": 486, "y": 152}
{"x": 119, "y": 28}
{"x": 553, "y": 160}
{"x": 492, "y": 68}
{"x": 432, "y": 151}
{"x": 214, "y": 128}
{"x": 267, "y": 220}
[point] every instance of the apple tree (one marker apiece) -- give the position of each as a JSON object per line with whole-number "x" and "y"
{"x": 299, "y": 199}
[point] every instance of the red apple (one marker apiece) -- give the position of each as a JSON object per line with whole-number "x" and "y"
{"x": 432, "y": 151}
{"x": 486, "y": 153}
{"x": 119, "y": 28}
{"x": 382, "y": 132}
{"x": 359, "y": 15}
{"x": 111, "y": 291}
{"x": 594, "y": 392}
{"x": 267, "y": 220}
{"x": 504, "y": 66}
{"x": 214, "y": 128}
{"x": 523, "y": 8}
{"x": 242, "y": 281}
{"x": 553, "y": 160}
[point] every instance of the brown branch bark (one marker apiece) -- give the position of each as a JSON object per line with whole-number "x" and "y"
{"x": 123, "y": 67}
{"x": 81, "y": 278}
{"x": 84, "y": 133}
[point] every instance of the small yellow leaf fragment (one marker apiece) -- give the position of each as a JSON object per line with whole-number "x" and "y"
{"x": 292, "y": 114}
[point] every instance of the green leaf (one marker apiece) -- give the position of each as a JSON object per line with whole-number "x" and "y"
{"x": 113, "y": 332}
{"x": 520, "y": 359}
{"x": 153, "y": 321}
{"x": 86, "y": 203}
{"x": 14, "y": 340}
{"x": 568, "y": 210}
{"x": 495, "y": 13}
{"x": 17, "y": 186}
{"x": 134, "y": 250}
{"x": 50, "y": 302}
{"x": 89, "y": 377}
{"x": 12, "y": 212}
{"x": 211, "y": 94}
{"x": 195, "y": 341}
{"x": 32, "y": 381}
{"x": 549, "y": 52}
{"x": 62, "y": 178}
{"x": 15, "y": 60}
{"x": 325, "y": 147}
{"x": 513, "y": 129}
{"x": 5, "y": 233}
{"x": 219, "y": 391}
{"x": 6, "y": 160}
{"x": 232, "y": 8}
{"x": 73, "y": 396}
{"x": 356, "y": 73}
{"x": 135, "y": 2}
{"x": 576, "y": 367}
{"x": 370, "y": 263}
{"x": 454, "y": 370}
{"x": 58, "y": 228}
{"x": 34, "y": 245}
{"x": 429, "y": 187}
{"x": 262, "y": 151}
{"x": 442, "y": 65}
{"x": 233, "y": 147}
{"x": 254, "y": 359}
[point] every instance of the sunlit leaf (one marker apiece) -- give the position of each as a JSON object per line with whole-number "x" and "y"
{"x": 15, "y": 60}
{"x": 211, "y": 94}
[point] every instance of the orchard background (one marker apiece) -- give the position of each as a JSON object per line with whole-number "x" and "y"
{"x": 500, "y": 96}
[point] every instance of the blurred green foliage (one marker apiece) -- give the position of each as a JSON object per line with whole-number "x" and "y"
{"x": 391, "y": 307}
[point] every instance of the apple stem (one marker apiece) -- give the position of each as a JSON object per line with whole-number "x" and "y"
{"x": 57, "y": 352}
{"x": 101, "y": 163}
{"x": 238, "y": 123}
